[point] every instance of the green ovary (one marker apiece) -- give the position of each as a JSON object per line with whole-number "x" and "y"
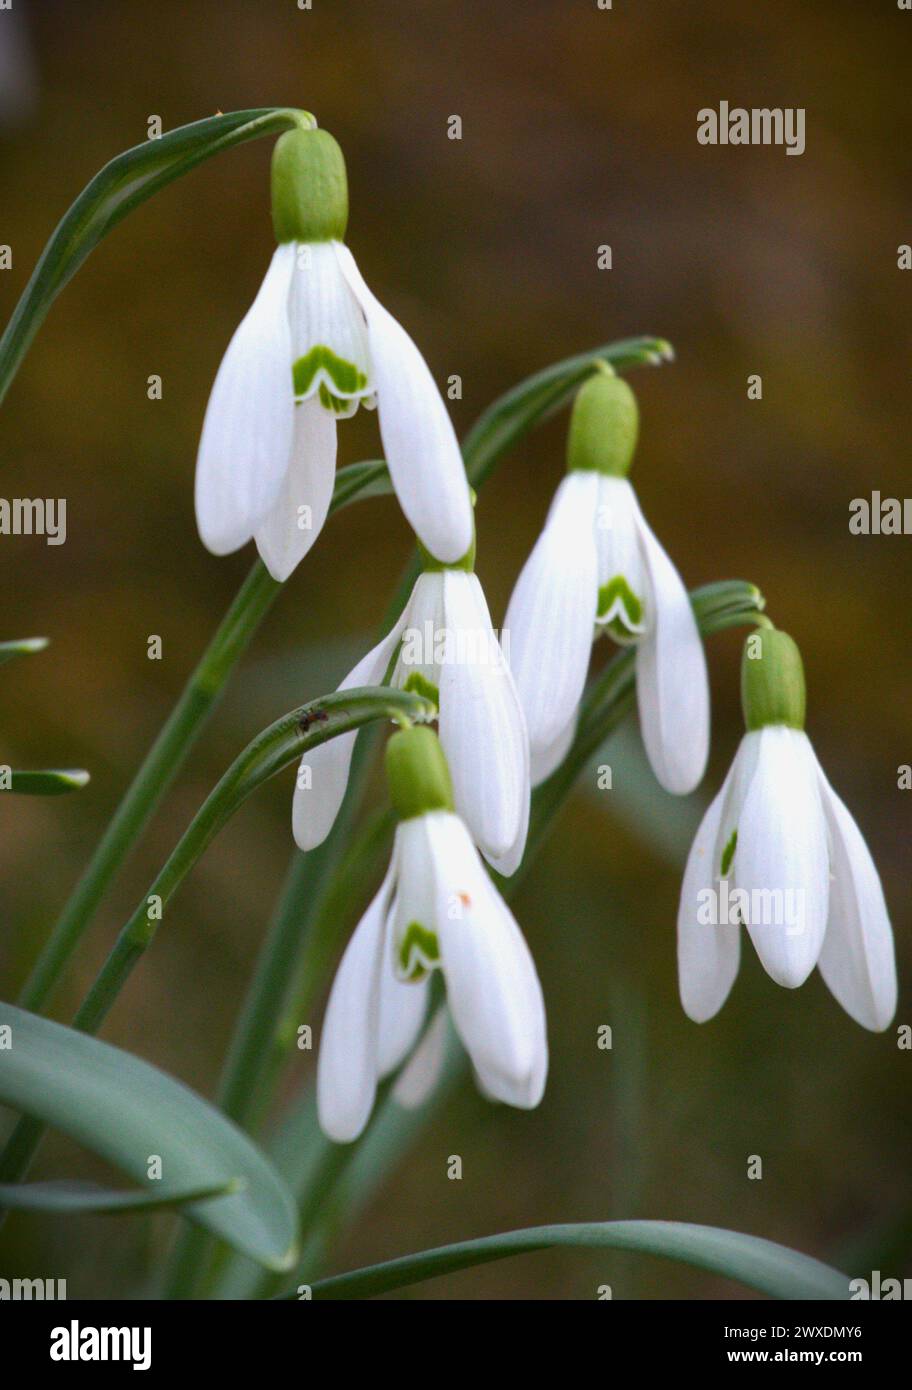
{"x": 616, "y": 598}
{"x": 347, "y": 379}
{"x": 418, "y": 953}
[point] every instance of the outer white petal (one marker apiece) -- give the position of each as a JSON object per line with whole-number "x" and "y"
{"x": 546, "y": 760}
{"x": 421, "y": 1073}
{"x": 281, "y": 540}
{"x": 672, "y": 684}
{"x": 246, "y": 442}
{"x": 782, "y": 850}
{"x": 492, "y": 986}
{"x": 708, "y": 952}
{"x": 551, "y": 615}
{"x": 482, "y": 727}
{"x": 857, "y": 960}
{"x": 315, "y": 807}
{"x": 348, "y": 1063}
{"x": 419, "y": 441}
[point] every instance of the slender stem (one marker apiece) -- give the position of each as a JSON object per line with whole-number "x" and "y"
{"x": 282, "y": 743}
{"x": 161, "y": 765}
{"x": 607, "y": 701}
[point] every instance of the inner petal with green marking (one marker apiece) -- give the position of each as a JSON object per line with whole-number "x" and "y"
{"x": 728, "y": 853}
{"x": 340, "y": 384}
{"x": 620, "y": 611}
{"x": 418, "y": 953}
{"x": 418, "y": 684}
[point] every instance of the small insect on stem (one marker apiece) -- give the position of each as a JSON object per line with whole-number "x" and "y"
{"x": 312, "y": 716}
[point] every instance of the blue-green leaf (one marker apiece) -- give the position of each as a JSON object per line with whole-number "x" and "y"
{"x": 760, "y": 1264}
{"x": 49, "y": 782}
{"x": 131, "y": 1114}
{"x": 21, "y": 646}
{"x": 74, "y": 1198}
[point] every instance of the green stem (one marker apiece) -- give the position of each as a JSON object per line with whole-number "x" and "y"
{"x": 718, "y": 606}
{"x": 161, "y": 765}
{"x": 282, "y": 743}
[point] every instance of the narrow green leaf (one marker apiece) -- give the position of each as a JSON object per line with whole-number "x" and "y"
{"x": 74, "y": 1198}
{"x": 22, "y": 646}
{"x": 128, "y": 1112}
{"x": 760, "y": 1264}
{"x": 51, "y": 782}
{"x": 120, "y": 186}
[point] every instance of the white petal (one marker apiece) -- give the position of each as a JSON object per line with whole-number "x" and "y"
{"x": 402, "y": 1010}
{"x": 482, "y": 727}
{"x": 325, "y": 314}
{"x": 708, "y": 950}
{"x": 672, "y": 684}
{"x": 857, "y": 960}
{"x": 415, "y": 903}
{"x": 546, "y": 760}
{"x": 551, "y": 616}
{"x": 421, "y": 1073}
{"x": 619, "y": 549}
{"x": 492, "y": 986}
{"x": 423, "y": 631}
{"x": 315, "y": 806}
{"x": 246, "y": 442}
{"x": 284, "y": 537}
{"x": 781, "y": 858}
{"x": 347, "y": 1068}
{"x": 419, "y": 441}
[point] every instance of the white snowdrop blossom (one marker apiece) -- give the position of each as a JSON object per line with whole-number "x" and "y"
{"x": 437, "y": 909}
{"x": 598, "y": 568}
{"x": 779, "y": 853}
{"x": 314, "y": 345}
{"x": 442, "y": 646}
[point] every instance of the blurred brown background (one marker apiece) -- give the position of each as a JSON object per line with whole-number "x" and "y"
{"x": 579, "y": 128}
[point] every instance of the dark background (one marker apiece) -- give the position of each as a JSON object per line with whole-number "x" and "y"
{"x": 579, "y": 128}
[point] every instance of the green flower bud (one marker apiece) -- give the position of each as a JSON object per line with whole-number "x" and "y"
{"x": 603, "y": 426}
{"x": 417, "y": 773}
{"x": 772, "y": 680}
{"x": 309, "y": 187}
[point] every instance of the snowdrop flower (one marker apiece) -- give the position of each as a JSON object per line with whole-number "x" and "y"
{"x": 779, "y": 853}
{"x": 443, "y": 646}
{"x": 436, "y": 909}
{"x": 597, "y": 567}
{"x": 314, "y": 345}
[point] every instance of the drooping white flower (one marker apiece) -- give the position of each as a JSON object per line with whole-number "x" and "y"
{"x": 436, "y": 909}
{"x": 443, "y": 646}
{"x": 778, "y": 853}
{"x": 314, "y": 345}
{"x": 597, "y": 567}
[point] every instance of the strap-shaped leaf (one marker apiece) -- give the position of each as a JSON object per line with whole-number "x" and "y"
{"x": 761, "y": 1264}
{"x": 129, "y": 1112}
{"x": 49, "y": 782}
{"x": 120, "y": 186}
{"x": 70, "y": 1197}
{"x": 21, "y": 646}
